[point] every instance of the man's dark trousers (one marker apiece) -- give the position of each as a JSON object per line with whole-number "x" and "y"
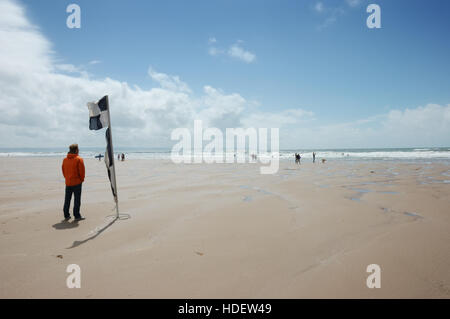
{"x": 76, "y": 190}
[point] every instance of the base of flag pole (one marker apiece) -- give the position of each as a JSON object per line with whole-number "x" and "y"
{"x": 121, "y": 216}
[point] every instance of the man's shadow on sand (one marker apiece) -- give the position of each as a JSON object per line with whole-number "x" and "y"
{"x": 65, "y": 224}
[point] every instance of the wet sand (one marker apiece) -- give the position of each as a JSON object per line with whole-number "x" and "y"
{"x": 226, "y": 231}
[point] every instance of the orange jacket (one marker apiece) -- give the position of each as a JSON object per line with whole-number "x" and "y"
{"x": 73, "y": 169}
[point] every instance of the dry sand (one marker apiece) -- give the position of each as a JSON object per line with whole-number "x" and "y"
{"x": 225, "y": 231}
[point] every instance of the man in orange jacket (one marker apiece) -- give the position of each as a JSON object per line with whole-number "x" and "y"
{"x": 73, "y": 171}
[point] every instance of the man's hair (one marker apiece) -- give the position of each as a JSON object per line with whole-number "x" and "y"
{"x": 73, "y": 148}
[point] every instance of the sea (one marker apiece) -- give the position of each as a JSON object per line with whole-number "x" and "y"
{"x": 430, "y": 154}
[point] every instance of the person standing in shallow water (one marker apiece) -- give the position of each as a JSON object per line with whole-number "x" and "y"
{"x": 314, "y": 157}
{"x": 73, "y": 170}
{"x": 297, "y": 158}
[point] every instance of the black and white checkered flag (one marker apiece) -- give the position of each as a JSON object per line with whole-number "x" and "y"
{"x": 98, "y": 114}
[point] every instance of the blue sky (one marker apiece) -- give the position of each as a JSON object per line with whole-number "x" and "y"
{"x": 325, "y": 61}
{"x": 342, "y": 71}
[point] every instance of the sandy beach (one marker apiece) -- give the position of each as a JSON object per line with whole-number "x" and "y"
{"x": 226, "y": 231}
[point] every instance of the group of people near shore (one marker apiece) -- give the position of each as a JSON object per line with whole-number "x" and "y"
{"x": 120, "y": 157}
{"x": 298, "y": 158}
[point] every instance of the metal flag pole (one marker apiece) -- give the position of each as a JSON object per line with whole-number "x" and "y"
{"x": 112, "y": 157}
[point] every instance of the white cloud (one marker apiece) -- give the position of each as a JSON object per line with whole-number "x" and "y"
{"x": 214, "y": 51}
{"x": 70, "y": 68}
{"x": 236, "y": 51}
{"x": 23, "y": 49}
{"x": 169, "y": 82}
{"x": 319, "y": 7}
{"x": 353, "y": 3}
{"x": 422, "y": 126}
{"x": 282, "y": 119}
{"x": 332, "y": 16}
{"x": 93, "y": 62}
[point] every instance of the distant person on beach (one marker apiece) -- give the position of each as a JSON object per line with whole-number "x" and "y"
{"x": 123, "y": 157}
{"x": 297, "y": 158}
{"x": 73, "y": 171}
{"x": 118, "y": 157}
{"x": 314, "y": 157}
